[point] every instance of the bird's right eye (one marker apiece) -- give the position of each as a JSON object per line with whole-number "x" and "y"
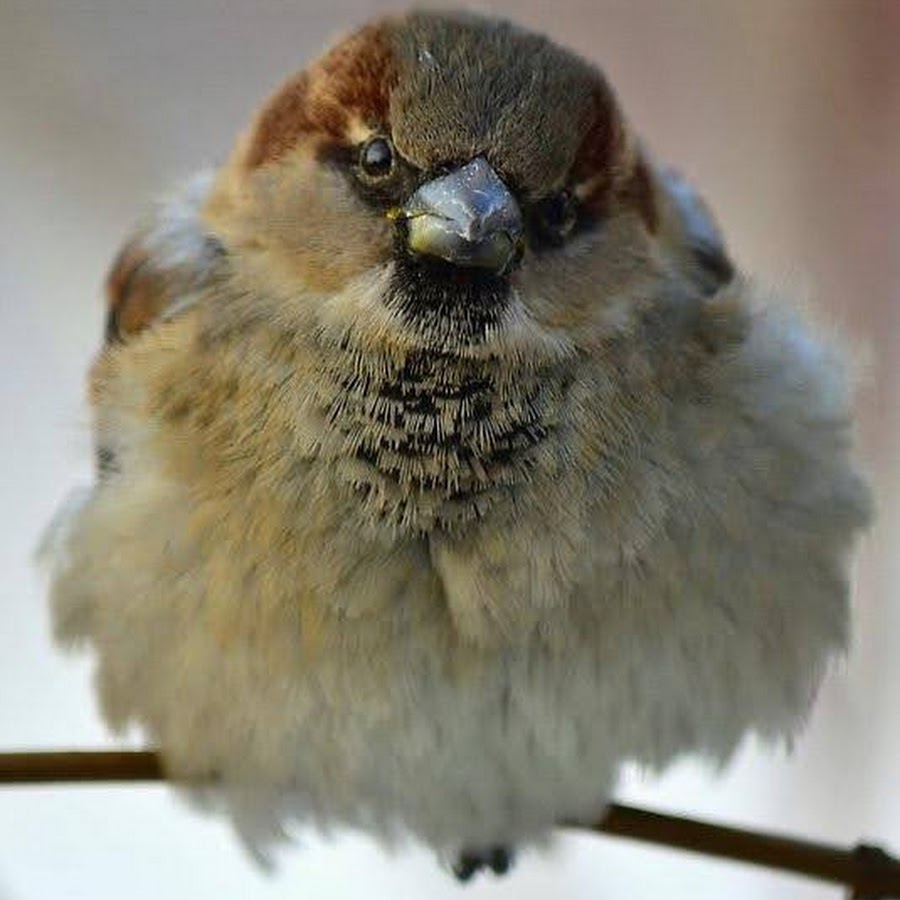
{"x": 379, "y": 173}
{"x": 376, "y": 158}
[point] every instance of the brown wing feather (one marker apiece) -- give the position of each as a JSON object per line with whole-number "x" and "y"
{"x": 162, "y": 265}
{"x": 693, "y": 231}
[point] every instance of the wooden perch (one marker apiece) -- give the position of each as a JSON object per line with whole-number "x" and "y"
{"x": 869, "y": 872}
{"x": 80, "y": 765}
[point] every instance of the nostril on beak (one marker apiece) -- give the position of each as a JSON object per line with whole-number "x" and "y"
{"x": 467, "y": 217}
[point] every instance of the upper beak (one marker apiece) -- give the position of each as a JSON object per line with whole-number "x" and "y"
{"x": 467, "y": 217}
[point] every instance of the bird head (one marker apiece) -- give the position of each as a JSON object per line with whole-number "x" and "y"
{"x": 451, "y": 178}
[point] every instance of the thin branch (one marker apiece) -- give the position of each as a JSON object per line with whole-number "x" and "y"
{"x": 80, "y": 765}
{"x": 868, "y": 871}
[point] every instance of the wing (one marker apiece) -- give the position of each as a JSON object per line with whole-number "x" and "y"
{"x": 692, "y": 232}
{"x": 160, "y": 272}
{"x": 161, "y": 269}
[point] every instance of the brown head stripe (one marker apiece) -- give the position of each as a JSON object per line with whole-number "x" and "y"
{"x": 613, "y": 167}
{"x": 603, "y": 142}
{"x": 640, "y": 192}
{"x": 353, "y": 79}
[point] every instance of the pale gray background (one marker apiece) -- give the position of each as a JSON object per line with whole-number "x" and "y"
{"x": 788, "y": 115}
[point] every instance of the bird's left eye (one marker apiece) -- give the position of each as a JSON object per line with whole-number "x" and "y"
{"x": 555, "y": 217}
{"x": 376, "y": 157}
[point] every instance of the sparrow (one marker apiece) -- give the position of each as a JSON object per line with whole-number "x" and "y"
{"x": 446, "y": 461}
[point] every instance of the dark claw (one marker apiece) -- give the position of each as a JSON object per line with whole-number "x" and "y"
{"x": 500, "y": 859}
{"x": 466, "y": 865}
{"x": 497, "y": 858}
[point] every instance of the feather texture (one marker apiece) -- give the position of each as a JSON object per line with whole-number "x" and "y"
{"x": 371, "y": 574}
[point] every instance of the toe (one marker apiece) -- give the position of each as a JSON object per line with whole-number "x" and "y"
{"x": 500, "y": 859}
{"x": 466, "y": 865}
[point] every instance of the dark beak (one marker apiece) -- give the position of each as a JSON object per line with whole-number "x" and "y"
{"x": 468, "y": 218}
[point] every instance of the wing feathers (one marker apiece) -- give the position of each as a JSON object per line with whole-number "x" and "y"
{"x": 162, "y": 265}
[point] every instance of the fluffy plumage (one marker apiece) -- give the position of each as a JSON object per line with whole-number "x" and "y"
{"x": 385, "y": 541}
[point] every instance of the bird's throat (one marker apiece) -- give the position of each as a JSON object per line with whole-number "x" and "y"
{"x": 449, "y": 305}
{"x": 435, "y": 440}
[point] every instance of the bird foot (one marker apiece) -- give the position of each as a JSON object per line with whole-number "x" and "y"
{"x": 498, "y": 859}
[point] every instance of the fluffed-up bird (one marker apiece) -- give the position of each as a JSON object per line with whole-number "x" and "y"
{"x": 446, "y": 461}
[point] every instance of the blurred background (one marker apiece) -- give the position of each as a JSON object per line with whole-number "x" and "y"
{"x": 787, "y": 114}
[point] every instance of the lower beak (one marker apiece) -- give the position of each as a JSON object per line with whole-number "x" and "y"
{"x": 468, "y": 218}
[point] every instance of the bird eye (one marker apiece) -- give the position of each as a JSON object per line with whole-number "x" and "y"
{"x": 556, "y": 216}
{"x": 376, "y": 157}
